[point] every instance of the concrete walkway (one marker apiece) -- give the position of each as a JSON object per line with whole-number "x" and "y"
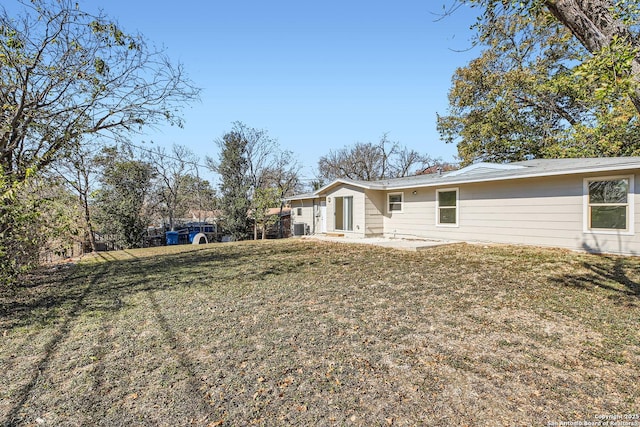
{"x": 401, "y": 244}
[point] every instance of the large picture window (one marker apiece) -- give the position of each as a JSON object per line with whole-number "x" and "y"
{"x": 608, "y": 204}
{"x": 447, "y": 207}
{"x": 344, "y": 213}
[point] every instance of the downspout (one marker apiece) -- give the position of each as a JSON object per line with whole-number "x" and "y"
{"x": 315, "y": 217}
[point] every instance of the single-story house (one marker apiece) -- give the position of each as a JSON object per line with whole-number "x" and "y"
{"x": 585, "y": 204}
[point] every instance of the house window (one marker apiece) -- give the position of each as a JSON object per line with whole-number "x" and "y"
{"x": 344, "y": 213}
{"x": 447, "y": 207}
{"x": 394, "y": 202}
{"x": 608, "y": 203}
{"x": 299, "y": 211}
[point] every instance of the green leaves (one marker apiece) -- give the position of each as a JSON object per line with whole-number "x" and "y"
{"x": 536, "y": 91}
{"x": 100, "y": 66}
{"x": 35, "y": 217}
{"x": 608, "y": 73}
{"x": 121, "y": 201}
{"x": 112, "y": 35}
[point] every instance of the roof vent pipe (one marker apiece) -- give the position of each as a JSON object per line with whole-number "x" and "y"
{"x": 439, "y": 170}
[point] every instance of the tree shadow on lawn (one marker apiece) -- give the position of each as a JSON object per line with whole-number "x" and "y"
{"x": 77, "y": 300}
{"x": 49, "y": 296}
{"x": 54, "y": 301}
{"x": 610, "y": 273}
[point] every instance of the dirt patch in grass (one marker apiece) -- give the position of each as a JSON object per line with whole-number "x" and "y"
{"x": 315, "y": 333}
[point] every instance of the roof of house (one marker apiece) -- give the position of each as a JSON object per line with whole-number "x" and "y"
{"x": 485, "y": 172}
{"x": 302, "y": 196}
{"x": 278, "y": 211}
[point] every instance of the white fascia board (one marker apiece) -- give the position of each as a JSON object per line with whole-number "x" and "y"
{"x": 495, "y": 166}
{"x": 302, "y": 196}
{"x": 593, "y": 169}
{"x": 442, "y": 180}
{"x": 344, "y": 181}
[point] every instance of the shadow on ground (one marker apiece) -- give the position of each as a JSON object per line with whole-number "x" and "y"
{"x": 55, "y": 298}
{"x": 610, "y": 273}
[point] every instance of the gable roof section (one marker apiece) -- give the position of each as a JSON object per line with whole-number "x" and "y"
{"x": 487, "y": 172}
{"x": 367, "y": 185}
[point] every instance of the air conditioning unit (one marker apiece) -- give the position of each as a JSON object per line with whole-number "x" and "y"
{"x": 298, "y": 229}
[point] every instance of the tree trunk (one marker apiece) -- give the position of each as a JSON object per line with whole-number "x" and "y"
{"x": 91, "y": 233}
{"x": 83, "y": 195}
{"x": 593, "y": 23}
{"x": 280, "y": 225}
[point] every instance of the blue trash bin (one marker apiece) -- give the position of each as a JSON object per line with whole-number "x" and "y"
{"x": 172, "y": 237}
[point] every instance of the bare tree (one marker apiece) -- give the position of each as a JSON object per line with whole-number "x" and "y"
{"x": 284, "y": 178}
{"x": 260, "y": 164}
{"x": 370, "y": 162}
{"x": 65, "y": 74}
{"x": 79, "y": 171}
{"x": 173, "y": 170}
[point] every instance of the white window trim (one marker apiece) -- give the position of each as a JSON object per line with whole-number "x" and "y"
{"x": 630, "y": 202}
{"x": 389, "y": 211}
{"x": 344, "y": 222}
{"x": 442, "y": 190}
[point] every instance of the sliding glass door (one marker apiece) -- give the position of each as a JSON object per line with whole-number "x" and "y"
{"x": 344, "y": 213}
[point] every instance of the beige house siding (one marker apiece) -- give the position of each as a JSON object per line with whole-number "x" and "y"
{"x": 540, "y": 207}
{"x": 416, "y": 216}
{"x": 306, "y": 216}
{"x": 374, "y": 218}
{"x": 537, "y": 211}
{"x": 358, "y": 210}
{"x": 310, "y": 215}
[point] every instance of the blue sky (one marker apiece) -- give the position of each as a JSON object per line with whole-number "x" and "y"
{"x": 317, "y": 75}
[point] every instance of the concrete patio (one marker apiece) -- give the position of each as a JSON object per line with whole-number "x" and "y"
{"x": 401, "y": 244}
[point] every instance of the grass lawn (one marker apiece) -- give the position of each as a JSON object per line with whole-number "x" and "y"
{"x": 299, "y": 332}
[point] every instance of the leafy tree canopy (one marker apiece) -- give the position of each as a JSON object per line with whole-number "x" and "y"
{"x": 122, "y": 200}
{"x": 540, "y": 89}
{"x": 254, "y": 172}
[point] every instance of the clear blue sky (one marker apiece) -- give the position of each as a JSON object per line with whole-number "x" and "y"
{"x": 317, "y": 75}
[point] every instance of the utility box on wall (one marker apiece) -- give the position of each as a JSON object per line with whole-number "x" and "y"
{"x": 298, "y": 229}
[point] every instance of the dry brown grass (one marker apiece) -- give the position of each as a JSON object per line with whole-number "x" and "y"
{"x": 309, "y": 333}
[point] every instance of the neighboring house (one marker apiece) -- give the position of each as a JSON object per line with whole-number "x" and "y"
{"x": 283, "y": 223}
{"x": 583, "y": 204}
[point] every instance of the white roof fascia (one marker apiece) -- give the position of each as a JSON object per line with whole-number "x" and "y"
{"x": 592, "y": 169}
{"x": 367, "y": 186}
{"x": 496, "y": 166}
{"x": 442, "y": 179}
{"x": 302, "y": 196}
